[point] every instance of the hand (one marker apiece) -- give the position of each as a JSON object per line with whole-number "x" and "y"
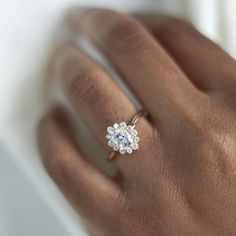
{"x": 182, "y": 180}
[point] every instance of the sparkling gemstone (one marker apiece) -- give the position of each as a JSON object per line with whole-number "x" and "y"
{"x": 123, "y": 138}
{"x": 115, "y": 126}
{"x": 110, "y": 143}
{"x": 135, "y": 146}
{"x": 109, "y": 129}
{"x": 123, "y": 124}
{"x": 136, "y": 139}
{"x": 122, "y": 151}
{"x": 129, "y": 150}
{"x": 133, "y": 131}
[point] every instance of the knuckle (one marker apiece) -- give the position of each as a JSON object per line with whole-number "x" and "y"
{"x": 126, "y": 36}
{"x": 217, "y": 149}
{"x": 174, "y": 27}
{"x": 90, "y": 89}
{"x": 86, "y": 88}
{"x": 83, "y": 83}
{"x": 55, "y": 165}
{"x": 214, "y": 142}
{"x": 216, "y": 139}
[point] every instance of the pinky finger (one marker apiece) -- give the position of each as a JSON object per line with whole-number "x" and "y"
{"x": 93, "y": 194}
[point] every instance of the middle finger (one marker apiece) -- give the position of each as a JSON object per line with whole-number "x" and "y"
{"x": 152, "y": 75}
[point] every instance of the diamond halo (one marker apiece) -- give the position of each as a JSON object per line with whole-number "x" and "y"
{"x": 123, "y": 138}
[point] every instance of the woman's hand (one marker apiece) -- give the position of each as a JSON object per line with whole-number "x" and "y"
{"x": 182, "y": 180}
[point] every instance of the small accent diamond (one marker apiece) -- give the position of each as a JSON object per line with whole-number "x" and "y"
{"x": 109, "y": 129}
{"x": 110, "y": 143}
{"x": 115, "y": 126}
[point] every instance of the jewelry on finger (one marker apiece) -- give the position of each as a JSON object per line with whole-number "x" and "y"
{"x": 123, "y": 137}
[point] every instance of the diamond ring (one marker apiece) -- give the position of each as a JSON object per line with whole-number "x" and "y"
{"x": 123, "y": 137}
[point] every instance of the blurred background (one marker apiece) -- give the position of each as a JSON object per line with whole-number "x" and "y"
{"x": 30, "y": 203}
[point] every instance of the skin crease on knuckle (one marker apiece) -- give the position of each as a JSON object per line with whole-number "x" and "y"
{"x": 173, "y": 28}
{"x": 120, "y": 32}
{"x": 192, "y": 191}
{"x": 85, "y": 88}
{"x": 126, "y": 33}
{"x": 89, "y": 89}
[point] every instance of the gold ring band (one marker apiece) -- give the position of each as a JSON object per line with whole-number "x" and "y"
{"x": 132, "y": 122}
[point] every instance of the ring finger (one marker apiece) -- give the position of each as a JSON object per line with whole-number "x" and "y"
{"x": 96, "y": 97}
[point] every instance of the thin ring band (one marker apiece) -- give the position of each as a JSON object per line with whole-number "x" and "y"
{"x": 137, "y": 116}
{"x": 133, "y": 122}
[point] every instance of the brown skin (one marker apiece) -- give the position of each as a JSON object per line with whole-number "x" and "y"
{"x": 182, "y": 180}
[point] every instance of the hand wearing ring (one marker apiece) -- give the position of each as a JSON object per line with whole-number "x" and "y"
{"x": 180, "y": 178}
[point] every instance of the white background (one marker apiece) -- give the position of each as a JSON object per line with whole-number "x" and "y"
{"x": 30, "y": 204}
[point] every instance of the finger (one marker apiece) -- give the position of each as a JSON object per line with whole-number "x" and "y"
{"x": 148, "y": 70}
{"x": 94, "y": 95}
{"x": 90, "y": 191}
{"x": 99, "y": 101}
{"x": 199, "y": 58}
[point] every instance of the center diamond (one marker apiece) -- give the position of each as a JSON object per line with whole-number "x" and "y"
{"x": 122, "y": 137}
